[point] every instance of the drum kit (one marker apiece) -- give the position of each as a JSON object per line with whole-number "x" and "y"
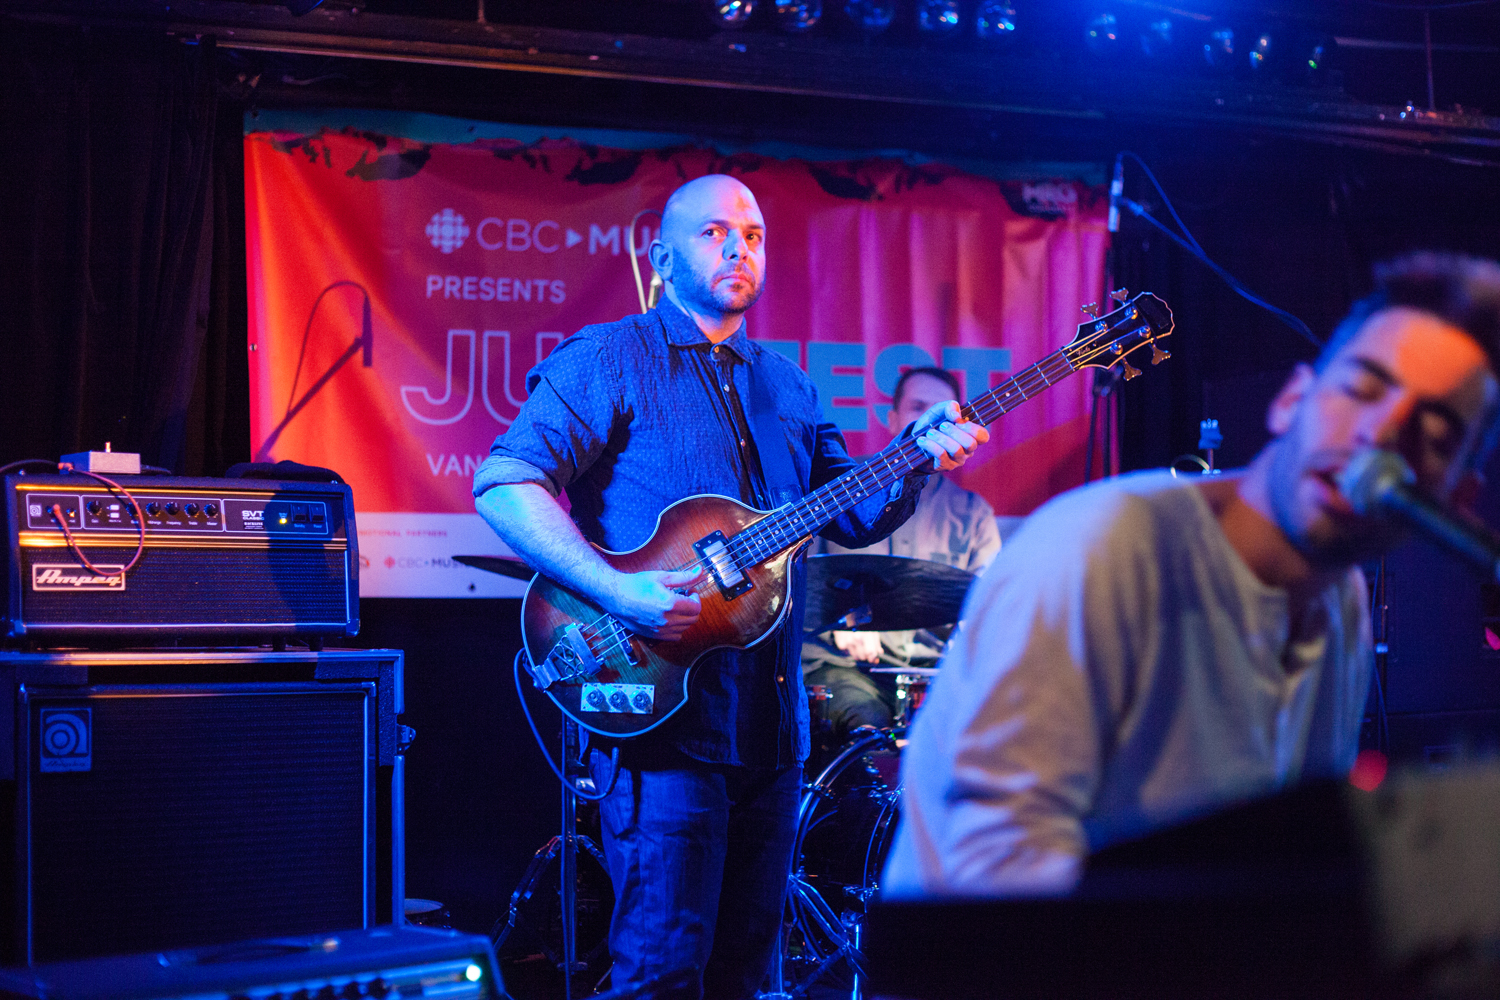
{"x": 848, "y": 811}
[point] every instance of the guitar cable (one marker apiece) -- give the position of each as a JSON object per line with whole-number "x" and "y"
{"x": 614, "y": 753}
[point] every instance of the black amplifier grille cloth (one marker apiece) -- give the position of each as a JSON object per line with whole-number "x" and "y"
{"x": 206, "y": 818}
{"x": 172, "y": 586}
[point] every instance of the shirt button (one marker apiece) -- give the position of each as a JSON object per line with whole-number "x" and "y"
{"x": 780, "y": 678}
{"x": 726, "y": 388}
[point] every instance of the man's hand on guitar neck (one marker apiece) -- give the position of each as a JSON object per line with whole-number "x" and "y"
{"x": 946, "y": 437}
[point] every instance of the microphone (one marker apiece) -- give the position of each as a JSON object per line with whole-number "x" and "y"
{"x": 1116, "y": 191}
{"x": 1380, "y": 482}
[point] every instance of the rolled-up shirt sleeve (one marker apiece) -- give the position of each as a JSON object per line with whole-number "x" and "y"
{"x": 572, "y": 406}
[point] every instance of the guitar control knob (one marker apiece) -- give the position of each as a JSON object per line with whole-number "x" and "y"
{"x": 596, "y": 700}
{"x": 619, "y": 702}
{"x": 641, "y": 701}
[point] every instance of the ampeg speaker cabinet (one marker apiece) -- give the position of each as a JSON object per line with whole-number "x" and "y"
{"x": 222, "y": 558}
{"x": 167, "y": 799}
{"x": 390, "y": 962}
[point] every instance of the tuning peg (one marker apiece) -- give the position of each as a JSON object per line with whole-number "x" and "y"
{"x": 1158, "y": 355}
{"x": 1129, "y": 370}
{"x": 1120, "y": 295}
{"x": 1091, "y": 310}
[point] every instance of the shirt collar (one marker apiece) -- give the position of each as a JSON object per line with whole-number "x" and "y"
{"x": 681, "y": 331}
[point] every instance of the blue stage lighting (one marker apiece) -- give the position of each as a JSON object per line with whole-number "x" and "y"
{"x": 1218, "y": 51}
{"x": 871, "y": 16}
{"x": 938, "y": 17}
{"x": 1102, "y": 34}
{"x": 1260, "y": 52}
{"x": 731, "y": 13}
{"x": 797, "y": 16}
{"x": 995, "y": 21}
{"x": 1156, "y": 38}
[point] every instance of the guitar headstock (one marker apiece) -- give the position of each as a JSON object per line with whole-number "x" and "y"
{"x": 1106, "y": 341}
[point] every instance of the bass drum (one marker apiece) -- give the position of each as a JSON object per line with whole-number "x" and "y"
{"x": 844, "y": 828}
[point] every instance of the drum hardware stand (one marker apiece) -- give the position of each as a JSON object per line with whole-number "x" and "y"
{"x": 805, "y": 902}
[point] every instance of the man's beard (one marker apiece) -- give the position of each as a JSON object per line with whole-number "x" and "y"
{"x": 704, "y": 290}
{"x": 1322, "y": 541}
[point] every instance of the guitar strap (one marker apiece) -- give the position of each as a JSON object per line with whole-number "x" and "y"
{"x": 770, "y": 441}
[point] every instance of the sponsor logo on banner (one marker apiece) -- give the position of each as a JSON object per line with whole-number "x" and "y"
{"x": 69, "y": 576}
{"x": 447, "y": 230}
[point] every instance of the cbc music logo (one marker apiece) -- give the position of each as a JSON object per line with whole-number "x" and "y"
{"x": 447, "y": 230}
{"x": 67, "y": 739}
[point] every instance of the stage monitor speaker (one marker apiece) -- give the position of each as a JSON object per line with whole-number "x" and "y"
{"x": 167, "y": 799}
{"x": 386, "y": 962}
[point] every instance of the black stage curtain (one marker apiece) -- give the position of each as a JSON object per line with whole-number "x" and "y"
{"x": 1300, "y": 225}
{"x": 123, "y": 234}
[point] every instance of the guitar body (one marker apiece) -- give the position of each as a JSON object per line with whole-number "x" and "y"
{"x": 617, "y": 684}
{"x": 549, "y": 609}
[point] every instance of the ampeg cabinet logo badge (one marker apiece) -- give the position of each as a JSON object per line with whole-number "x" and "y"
{"x": 67, "y": 740}
{"x": 70, "y": 576}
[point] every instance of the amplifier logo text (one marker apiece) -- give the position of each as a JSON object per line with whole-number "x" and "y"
{"x": 69, "y": 576}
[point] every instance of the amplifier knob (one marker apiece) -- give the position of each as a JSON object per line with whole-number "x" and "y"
{"x": 191, "y": 510}
{"x": 172, "y": 507}
{"x": 153, "y": 508}
{"x": 210, "y": 510}
{"x": 94, "y": 507}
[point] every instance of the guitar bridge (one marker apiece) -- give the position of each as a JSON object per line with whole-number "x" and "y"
{"x": 713, "y": 551}
{"x": 570, "y": 660}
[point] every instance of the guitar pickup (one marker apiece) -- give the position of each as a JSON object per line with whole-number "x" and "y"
{"x": 713, "y": 551}
{"x": 618, "y": 699}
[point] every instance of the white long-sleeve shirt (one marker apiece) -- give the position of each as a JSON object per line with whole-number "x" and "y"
{"x": 1120, "y": 667}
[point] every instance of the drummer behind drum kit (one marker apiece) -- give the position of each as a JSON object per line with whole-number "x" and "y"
{"x": 848, "y": 810}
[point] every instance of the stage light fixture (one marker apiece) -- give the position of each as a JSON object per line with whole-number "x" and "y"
{"x": 797, "y": 16}
{"x": 730, "y": 13}
{"x": 1102, "y": 34}
{"x": 1218, "y": 51}
{"x": 871, "y": 16}
{"x": 1260, "y": 52}
{"x": 1156, "y": 38}
{"x": 938, "y": 18}
{"x": 995, "y": 21}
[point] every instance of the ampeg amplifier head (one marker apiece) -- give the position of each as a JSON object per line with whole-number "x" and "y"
{"x": 221, "y": 558}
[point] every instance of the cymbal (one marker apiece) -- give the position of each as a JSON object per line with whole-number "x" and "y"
{"x": 504, "y": 565}
{"x": 899, "y": 593}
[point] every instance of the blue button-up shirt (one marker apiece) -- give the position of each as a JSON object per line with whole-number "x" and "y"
{"x": 630, "y": 417}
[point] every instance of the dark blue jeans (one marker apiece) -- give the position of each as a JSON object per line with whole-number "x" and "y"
{"x": 699, "y": 858}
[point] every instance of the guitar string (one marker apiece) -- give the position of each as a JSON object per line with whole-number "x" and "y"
{"x": 754, "y": 536}
{"x": 753, "y": 545}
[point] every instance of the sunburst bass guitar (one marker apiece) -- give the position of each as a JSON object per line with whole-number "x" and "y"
{"x": 618, "y": 684}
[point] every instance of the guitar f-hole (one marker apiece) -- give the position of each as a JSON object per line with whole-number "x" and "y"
{"x": 714, "y": 552}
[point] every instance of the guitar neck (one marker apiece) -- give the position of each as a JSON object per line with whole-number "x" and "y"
{"x": 789, "y": 524}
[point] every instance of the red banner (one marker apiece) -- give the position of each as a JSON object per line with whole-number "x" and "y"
{"x": 399, "y": 292}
